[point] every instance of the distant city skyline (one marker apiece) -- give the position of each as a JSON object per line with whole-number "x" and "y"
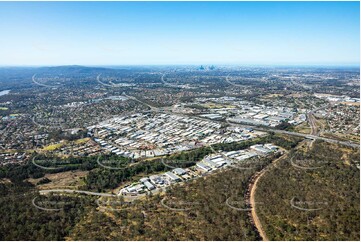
{"x": 179, "y": 33}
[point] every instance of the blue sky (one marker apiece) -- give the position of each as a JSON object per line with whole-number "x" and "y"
{"x": 127, "y": 33}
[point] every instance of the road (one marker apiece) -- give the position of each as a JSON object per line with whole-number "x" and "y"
{"x": 127, "y": 198}
{"x": 265, "y": 129}
{"x": 104, "y": 84}
{"x": 269, "y": 129}
{"x": 41, "y": 84}
{"x": 77, "y": 191}
{"x": 307, "y": 136}
{"x": 314, "y": 137}
{"x": 155, "y": 109}
{"x": 164, "y": 82}
{"x": 252, "y": 200}
{"x": 312, "y": 122}
{"x": 231, "y": 83}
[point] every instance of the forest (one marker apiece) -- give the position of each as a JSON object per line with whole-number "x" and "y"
{"x": 20, "y": 220}
{"x": 312, "y": 195}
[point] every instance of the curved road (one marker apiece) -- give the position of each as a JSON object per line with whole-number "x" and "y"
{"x": 164, "y": 82}
{"x": 308, "y": 136}
{"x": 231, "y": 83}
{"x": 77, "y": 191}
{"x": 252, "y": 200}
{"x": 41, "y": 84}
{"x": 155, "y": 109}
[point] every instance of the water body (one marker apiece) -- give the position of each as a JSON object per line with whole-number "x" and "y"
{"x": 2, "y": 93}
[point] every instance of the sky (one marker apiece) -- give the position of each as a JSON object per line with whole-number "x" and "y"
{"x": 161, "y": 33}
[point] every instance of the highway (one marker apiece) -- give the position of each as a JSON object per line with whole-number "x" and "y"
{"x": 146, "y": 104}
{"x": 231, "y": 83}
{"x": 312, "y": 122}
{"x": 265, "y": 129}
{"x": 307, "y": 136}
{"x": 310, "y": 136}
{"x": 41, "y": 84}
{"x": 162, "y": 78}
{"x": 104, "y": 84}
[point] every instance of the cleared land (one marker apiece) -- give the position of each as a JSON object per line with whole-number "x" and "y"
{"x": 60, "y": 180}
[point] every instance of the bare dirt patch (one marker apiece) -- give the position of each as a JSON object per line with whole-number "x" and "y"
{"x": 61, "y": 180}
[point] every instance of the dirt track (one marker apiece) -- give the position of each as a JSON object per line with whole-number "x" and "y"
{"x": 252, "y": 191}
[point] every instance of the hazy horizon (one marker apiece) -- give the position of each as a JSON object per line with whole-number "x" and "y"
{"x": 190, "y": 65}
